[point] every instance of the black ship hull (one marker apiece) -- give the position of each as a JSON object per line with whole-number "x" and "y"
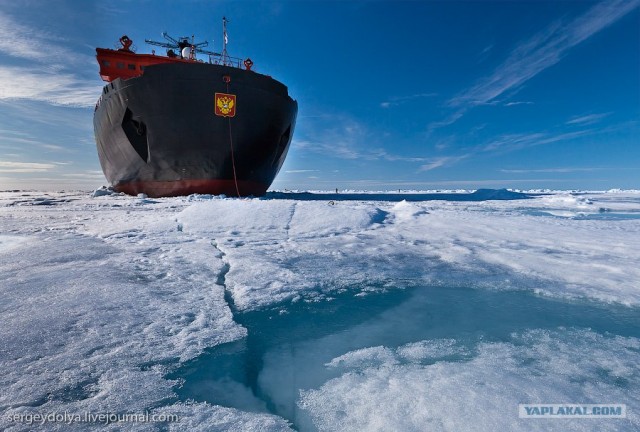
{"x": 160, "y": 133}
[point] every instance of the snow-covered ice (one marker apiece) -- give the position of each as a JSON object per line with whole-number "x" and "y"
{"x": 113, "y": 303}
{"x": 380, "y": 390}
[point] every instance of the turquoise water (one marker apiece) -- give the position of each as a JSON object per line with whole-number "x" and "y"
{"x": 288, "y": 346}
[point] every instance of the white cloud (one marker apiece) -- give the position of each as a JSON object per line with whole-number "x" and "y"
{"x": 397, "y": 100}
{"x": 24, "y": 167}
{"x": 342, "y": 137}
{"x": 587, "y": 119}
{"x": 20, "y": 41}
{"x": 10, "y": 139}
{"x": 53, "y": 147}
{"x": 543, "y": 50}
{"x": 51, "y": 77}
{"x": 442, "y": 161}
{"x": 482, "y": 56}
{"x": 550, "y": 170}
{"x": 301, "y": 171}
{"x": 508, "y": 143}
{"x": 88, "y": 175}
{"x": 512, "y": 142}
{"x": 516, "y": 103}
{"x": 53, "y": 88}
{"x": 451, "y": 119}
{"x": 335, "y": 135}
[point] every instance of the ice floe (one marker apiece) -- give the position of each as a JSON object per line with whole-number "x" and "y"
{"x": 105, "y": 295}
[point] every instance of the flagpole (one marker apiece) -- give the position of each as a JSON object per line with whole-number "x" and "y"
{"x": 224, "y": 41}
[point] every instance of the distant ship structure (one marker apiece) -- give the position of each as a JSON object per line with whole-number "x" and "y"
{"x": 175, "y": 125}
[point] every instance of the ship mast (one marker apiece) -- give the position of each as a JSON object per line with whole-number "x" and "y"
{"x": 225, "y": 39}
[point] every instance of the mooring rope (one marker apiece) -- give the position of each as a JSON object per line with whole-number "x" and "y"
{"x": 233, "y": 161}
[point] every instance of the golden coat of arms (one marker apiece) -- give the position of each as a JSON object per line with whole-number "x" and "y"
{"x": 225, "y": 105}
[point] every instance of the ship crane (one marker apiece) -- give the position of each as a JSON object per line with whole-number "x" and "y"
{"x": 186, "y": 48}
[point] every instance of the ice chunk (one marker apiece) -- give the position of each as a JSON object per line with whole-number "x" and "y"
{"x": 483, "y": 394}
{"x": 102, "y": 191}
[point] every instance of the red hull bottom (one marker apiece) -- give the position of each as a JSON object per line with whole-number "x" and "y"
{"x": 157, "y": 189}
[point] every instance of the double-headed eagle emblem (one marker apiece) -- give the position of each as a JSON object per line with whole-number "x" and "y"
{"x": 225, "y": 105}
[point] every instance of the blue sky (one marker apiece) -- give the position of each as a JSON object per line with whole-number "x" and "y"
{"x": 392, "y": 95}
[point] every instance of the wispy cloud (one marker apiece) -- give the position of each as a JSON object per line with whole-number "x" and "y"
{"x": 507, "y": 143}
{"x": 88, "y": 175}
{"x": 50, "y": 87}
{"x": 484, "y": 54}
{"x": 451, "y": 119}
{"x": 445, "y": 143}
{"x": 516, "y": 103}
{"x": 397, "y": 100}
{"x": 540, "y": 52}
{"x": 300, "y": 171}
{"x": 383, "y": 154}
{"x": 551, "y": 170}
{"x": 511, "y": 142}
{"x": 19, "y": 142}
{"x": 587, "y": 119}
{"x": 24, "y": 167}
{"x": 334, "y": 134}
{"x": 340, "y": 136}
{"x": 21, "y": 41}
{"x": 41, "y": 114}
{"x": 442, "y": 161}
{"x": 53, "y": 147}
{"x": 52, "y": 76}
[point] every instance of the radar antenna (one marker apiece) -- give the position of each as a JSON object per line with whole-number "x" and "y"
{"x": 180, "y": 44}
